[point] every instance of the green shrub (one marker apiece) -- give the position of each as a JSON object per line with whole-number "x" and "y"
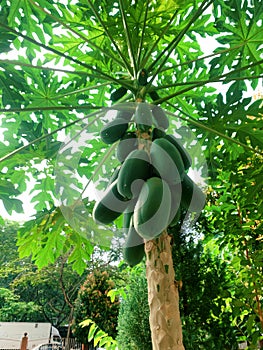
{"x": 94, "y": 303}
{"x": 133, "y": 322}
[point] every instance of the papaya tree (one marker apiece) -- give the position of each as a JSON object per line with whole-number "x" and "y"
{"x": 69, "y": 69}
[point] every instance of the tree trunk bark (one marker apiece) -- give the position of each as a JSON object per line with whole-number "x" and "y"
{"x": 163, "y": 295}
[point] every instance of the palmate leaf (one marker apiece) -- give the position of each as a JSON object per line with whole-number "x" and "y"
{"x": 44, "y": 86}
{"x": 23, "y": 14}
{"x": 242, "y": 32}
{"x": 8, "y": 194}
{"x": 48, "y": 236}
{"x": 81, "y": 253}
{"x": 31, "y": 243}
{"x": 232, "y": 119}
{"x": 11, "y": 84}
{"x": 12, "y": 204}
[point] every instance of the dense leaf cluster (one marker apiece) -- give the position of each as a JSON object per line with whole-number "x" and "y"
{"x": 133, "y": 321}
{"x": 94, "y": 303}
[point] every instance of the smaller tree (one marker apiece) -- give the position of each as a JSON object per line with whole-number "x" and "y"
{"x": 94, "y": 303}
{"x": 205, "y": 289}
{"x": 14, "y": 310}
{"x": 133, "y": 322}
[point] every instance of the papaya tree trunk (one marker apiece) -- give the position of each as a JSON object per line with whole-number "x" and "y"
{"x": 163, "y": 295}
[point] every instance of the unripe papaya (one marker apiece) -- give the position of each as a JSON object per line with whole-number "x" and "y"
{"x": 152, "y": 209}
{"x": 135, "y": 169}
{"x": 160, "y": 119}
{"x": 184, "y": 154}
{"x": 176, "y": 218}
{"x": 127, "y": 216}
{"x": 133, "y": 249}
{"x": 110, "y": 206}
{"x": 126, "y": 221}
{"x": 193, "y": 199}
{"x": 114, "y": 130}
{"x": 142, "y": 77}
{"x": 117, "y": 94}
{"x": 114, "y": 175}
{"x": 157, "y": 133}
{"x": 154, "y": 95}
{"x": 175, "y": 212}
{"x": 127, "y": 144}
{"x": 126, "y": 114}
{"x": 167, "y": 161}
{"x": 143, "y": 117}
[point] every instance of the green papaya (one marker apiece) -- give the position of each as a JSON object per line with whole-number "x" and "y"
{"x": 143, "y": 117}
{"x": 154, "y": 95}
{"x": 176, "y": 218}
{"x": 157, "y": 133}
{"x": 152, "y": 209}
{"x": 193, "y": 198}
{"x": 125, "y": 111}
{"x": 133, "y": 249}
{"x": 118, "y": 94}
{"x": 110, "y": 206}
{"x": 127, "y": 215}
{"x": 142, "y": 77}
{"x": 184, "y": 154}
{"x": 175, "y": 212}
{"x": 114, "y": 175}
{"x": 167, "y": 161}
{"x": 114, "y": 130}
{"x": 135, "y": 169}
{"x": 126, "y": 145}
{"x": 160, "y": 119}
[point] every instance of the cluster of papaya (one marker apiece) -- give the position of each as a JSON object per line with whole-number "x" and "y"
{"x": 151, "y": 185}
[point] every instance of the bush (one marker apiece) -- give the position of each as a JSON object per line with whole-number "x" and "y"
{"x": 93, "y": 303}
{"x": 133, "y": 322}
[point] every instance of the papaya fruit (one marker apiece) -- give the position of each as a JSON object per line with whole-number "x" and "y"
{"x": 157, "y": 133}
{"x": 110, "y": 206}
{"x": 187, "y": 160}
{"x": 118, "y": 94}
{"x": 142, "y": 77}
{"x": 127, "y": 216}
{"x": 126, "y": 145}
{"x": 175, "y": 212}
{"x": 125, "y": 114}
{"x": 133, "y": 249}
{"x": 167, "y": 161}
{"x": 114, "y": 130}
{"x": 143, "y": 117}
{"x": 176, "y": 218}
{"x": 114, "y": 176}
{"x": 152, "y": 209}
{"x": 193, "y": 198}
{"x": 135, "y": 169}
{"x": 154, "y": 95}
{"x": 160, "y": 119}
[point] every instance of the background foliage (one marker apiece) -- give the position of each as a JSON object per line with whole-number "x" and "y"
{"x": 133, "y": 321}
{"x": 94, "y": 303}
{"x": 30, "y": 294}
